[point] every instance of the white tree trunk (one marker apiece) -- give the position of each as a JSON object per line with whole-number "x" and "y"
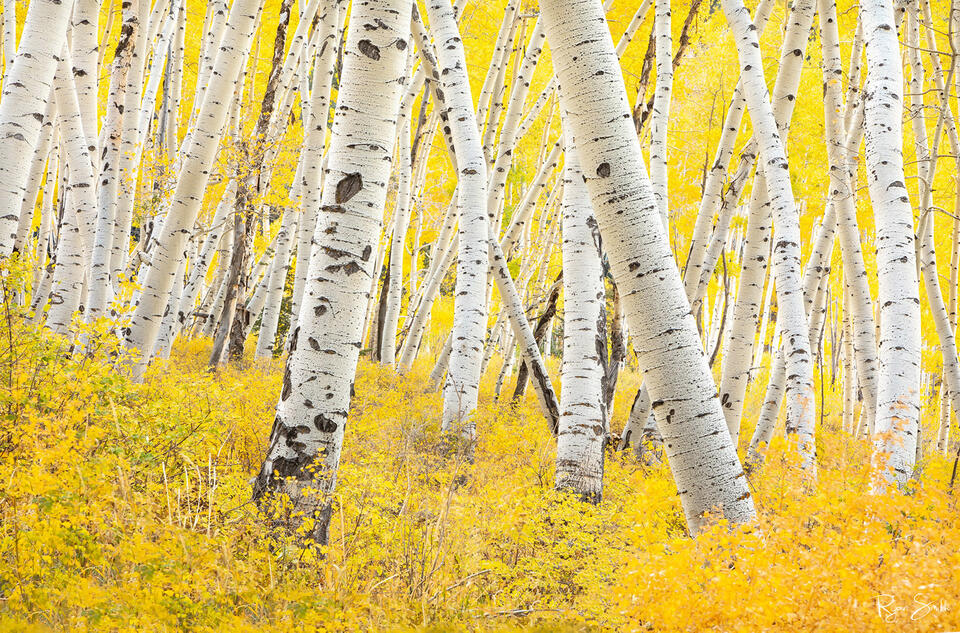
{"x": 460, "y": 391}
{"x": 275, "y": 285}
{"x": 128, "y": 165}
{"x": 661, "y": 110}
{"x": 702, "y": 457}
{"x": 85, "y": 51}
{"x": 68, "y": 280}
{"x": 898, "y": 397}
{"x": 398, "y": 246}
{"x": 35, "y": 178}
{"x": 842, "y": 148}
{"x": 101, "y": 271}
{"x": 194, "y": 174}
{"x": 582, "y": 434}
{"x": 312, "y": 178}
{"x": 9, "y": 34}
{"x": 26, "y": 88}
{"x": 801, "y": 404}
{"x": 312, "y": 411}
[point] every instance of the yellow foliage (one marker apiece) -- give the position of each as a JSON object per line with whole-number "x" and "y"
{"x": 126, "y": 508}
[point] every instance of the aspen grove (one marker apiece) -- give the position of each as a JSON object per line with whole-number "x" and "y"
{"x": 398, "y": 314}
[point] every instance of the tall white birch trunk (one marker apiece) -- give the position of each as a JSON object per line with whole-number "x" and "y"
{"x": 661, "y": 109}
{"x": 128, "y": 166}
{"x": 26, "y": 88}
{"x": 307, "y": 434}
{"x": 712, "y": 196}
{"x": 9, "y": 34}
{"x": 801, "y": 403}
{"x": 194, "y": 175}
{"x": 701, "y": 455}
{"x": 34, "y": 180}
{"x": 398, "y": 246}
{"x": 461, "y": 388}
{"x": 85, "y": 51}
{"x": 315, "y": 141}
{"x": 71, "y": 272}
{"x": 582, "y": 433}
{"x": 101, "y": 272}
{"x": 275, "y": 285}
{"x": 898, "y": 397}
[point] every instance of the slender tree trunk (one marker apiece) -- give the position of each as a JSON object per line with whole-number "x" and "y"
{"x": 702, "y": 457}
{"x": 582, "y": 433}
{"x": 277, "y": 281}
{"x": 194, "y": 175}
{"x": 470, "y": 309}
{"x": 101, "y": 271}
{"x": 661, "y": 110}
{"x": 307, "y": 434}
{"x": 27, "y": 85}
{"x": 898, "y": 397}
{"x": 801, "y": 404}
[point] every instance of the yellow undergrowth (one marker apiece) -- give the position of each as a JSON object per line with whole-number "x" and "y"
{"x": 126, "y": 508}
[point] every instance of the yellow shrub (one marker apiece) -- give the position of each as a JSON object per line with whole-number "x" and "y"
{"x": 126, "y": 508}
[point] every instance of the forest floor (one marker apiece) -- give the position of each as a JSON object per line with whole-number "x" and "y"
{"x": 126, "y": 508}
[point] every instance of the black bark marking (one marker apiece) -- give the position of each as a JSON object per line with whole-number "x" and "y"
{"x": 287, "y": 386}
{"x": 324, "y": 424}
{"x": 348, "y": 187}
{"x": 369, "y": 49}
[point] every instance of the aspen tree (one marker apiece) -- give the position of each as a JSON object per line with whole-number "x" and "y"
{"x": 841, "y": 152}
{"x": 128, "y": 164}
{"x": 101, "y": 271}
{"x": 801, "y": 404}
{"x": 470, "y": 310}
{"x": 702, "y": 457}
{"x": 314, "y": 144}
{"x": 275, "y": 284}
{"x": 72, "y": 267}
{"x": 898, "y": 397}
{"x": 388, "y": 350}
{"x": 659, "y": 176}
{"x": 307, "y": 434}
{"x": 712, "y": 196}
{"x": 582, "y": 433}
{"x": 35, "y": 178}
{"x": 194, "y": 174}
{"x": 85, "y": 52}
{"x": 927, "y": 155}
{"x": 26, "y": 88}
{"x": 9, "y": 34}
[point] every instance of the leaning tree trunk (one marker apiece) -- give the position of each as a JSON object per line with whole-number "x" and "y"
{"x": 277, "y": 280}
{"x": 314, "y": 143}
{"x": 70, "y": 274}
{"x": 661, "y": 110}
{"x": 194, "y": 174}
{"x": 26, "y": 88}
{"x": 307, "y": 435}
{"x": 801, "y": 404}
{"x": 101, "y": 271}
{"x": 701, "y": 455}
{"x": 460, "y": 391}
